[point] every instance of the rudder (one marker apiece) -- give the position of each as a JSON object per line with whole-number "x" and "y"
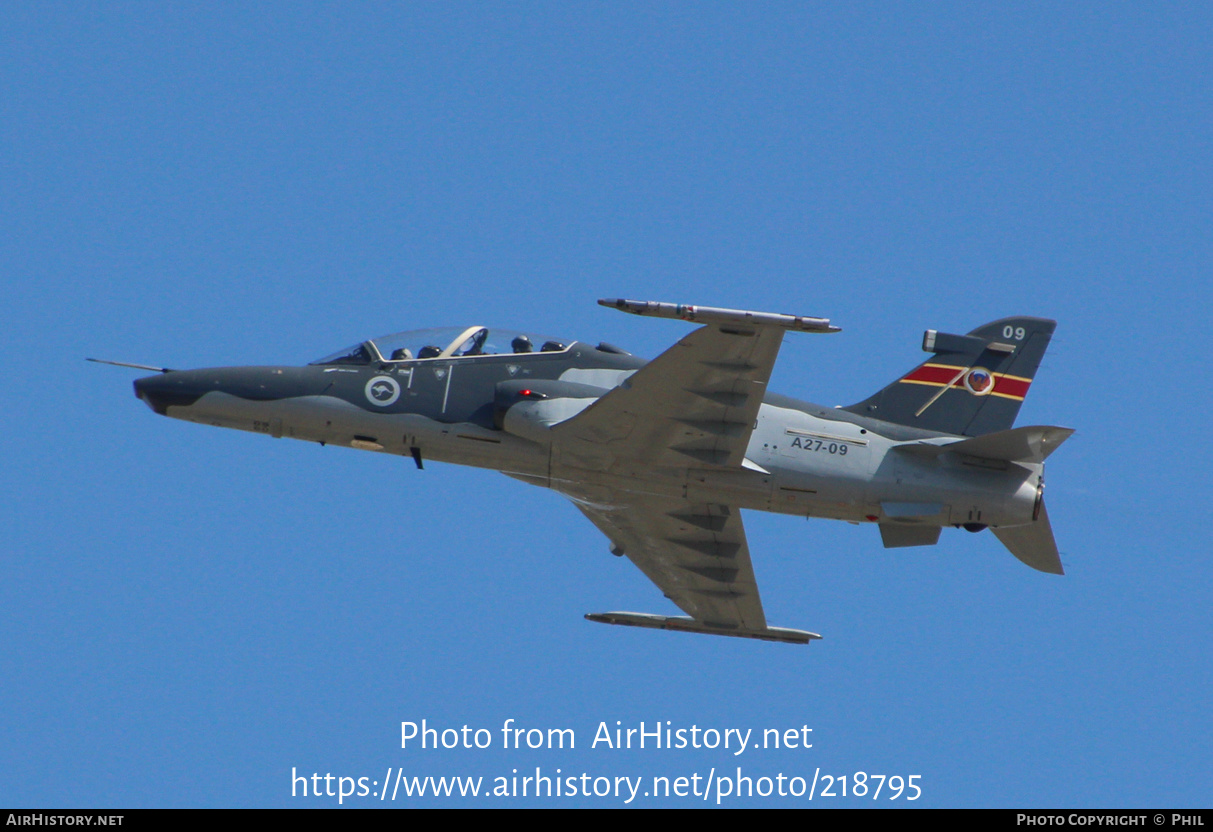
{"x": 972, "y": 385}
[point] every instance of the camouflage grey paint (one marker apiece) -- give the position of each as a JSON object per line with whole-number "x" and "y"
{"x": 442, "y": 401}
{"x": 449, "y": 409}
{"x": 884, "y": 461}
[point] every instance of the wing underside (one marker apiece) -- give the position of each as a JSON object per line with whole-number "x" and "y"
{"x": 692, "y": 406}
{"x": 692, "y": 409}
{"x": 695, "y": 553}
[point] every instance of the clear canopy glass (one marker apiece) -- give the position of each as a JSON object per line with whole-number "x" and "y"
{"x": 448, "y": 342}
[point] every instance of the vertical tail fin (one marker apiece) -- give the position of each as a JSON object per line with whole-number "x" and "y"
{"x": 972, "y": 385}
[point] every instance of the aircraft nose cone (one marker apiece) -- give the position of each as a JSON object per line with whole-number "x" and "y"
{"x": 165, "y": 390}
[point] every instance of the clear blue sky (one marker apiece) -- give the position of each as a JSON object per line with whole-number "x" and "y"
{"x": 186, "y": 613}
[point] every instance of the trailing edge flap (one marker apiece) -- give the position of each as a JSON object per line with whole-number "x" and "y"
{"x": 1027, "y": 444}
{"x": 693, "y": 406}
{"x": 1033, "y": 544}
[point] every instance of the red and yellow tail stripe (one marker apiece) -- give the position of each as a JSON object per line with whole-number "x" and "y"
{"x": 938, "y": 375}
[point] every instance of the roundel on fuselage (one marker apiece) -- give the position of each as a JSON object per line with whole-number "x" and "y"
{"x": 382, "y": 391}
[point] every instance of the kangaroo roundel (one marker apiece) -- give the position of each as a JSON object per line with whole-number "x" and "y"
{"x": 382, "y": 390}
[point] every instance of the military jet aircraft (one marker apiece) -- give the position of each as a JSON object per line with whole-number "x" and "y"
{"x": 662, "y": 455}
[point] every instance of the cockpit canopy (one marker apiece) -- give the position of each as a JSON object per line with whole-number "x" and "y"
{"x": 448, "y": 342}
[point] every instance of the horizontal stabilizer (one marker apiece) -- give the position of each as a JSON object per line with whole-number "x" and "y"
{"x": 1033, "y": 544}
{"x": 1028, "y": 444}
{"x": 690, "y": 625}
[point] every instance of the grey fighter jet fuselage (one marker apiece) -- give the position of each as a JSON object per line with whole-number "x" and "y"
{"x": 661, "y": 455}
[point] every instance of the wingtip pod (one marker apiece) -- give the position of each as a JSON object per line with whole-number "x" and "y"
{"x": 717, "y": 315}
{"x": 1033, "y": 543}
{"x": 689, "y": 625}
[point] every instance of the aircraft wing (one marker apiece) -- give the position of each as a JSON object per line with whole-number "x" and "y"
{"x": 696, "y": 553}
{"x": 693, "y": 406}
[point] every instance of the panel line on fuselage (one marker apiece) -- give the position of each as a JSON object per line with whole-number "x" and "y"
{"x": 446, "y": 392}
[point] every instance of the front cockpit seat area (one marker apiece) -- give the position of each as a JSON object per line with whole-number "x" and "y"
{"x": 445, "y": 343}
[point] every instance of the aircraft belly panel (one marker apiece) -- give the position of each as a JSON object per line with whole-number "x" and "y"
{"x": 331, "y": 420}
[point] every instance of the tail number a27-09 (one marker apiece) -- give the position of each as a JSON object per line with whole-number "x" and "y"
{"x": 808, "y": 444}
